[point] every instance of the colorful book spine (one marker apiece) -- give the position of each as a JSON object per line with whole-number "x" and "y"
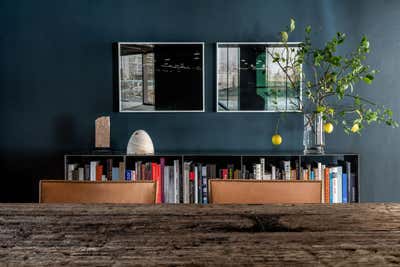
{"x": 176, "y": 181}
{"x": 339, "y": 184}
{"x": 109, "y": 166}
{"x": 99, "y": 172}
{"x": 344, "y": 188}
{"x": 204, "y": 183}
{"x": 327, "y": 185}
{"x": 115, "y": 174}
{"x": 121, "y": 171}
{"x": 161, "y": 168}
{"x": 128, "y": 175}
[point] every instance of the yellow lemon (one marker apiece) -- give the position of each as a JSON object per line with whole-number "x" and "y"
{"x": 276, "y": 139}
{"x": 355, "y": 128}
{"x": 328, "y": 127}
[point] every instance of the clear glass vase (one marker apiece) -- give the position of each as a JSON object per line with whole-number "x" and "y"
{"x": 313, "y": 135}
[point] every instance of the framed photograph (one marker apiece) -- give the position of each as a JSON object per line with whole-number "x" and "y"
{"x": 160, "y": 77}
{"x": 249, "y": 80}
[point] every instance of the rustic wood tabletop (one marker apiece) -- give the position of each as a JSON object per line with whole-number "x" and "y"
{"x": 119, "y": 235}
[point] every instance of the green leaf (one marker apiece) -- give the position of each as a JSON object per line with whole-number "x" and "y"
{"x": 284, "y": 37}
{"x": 308, "y": 29}
{"x": 292, "y": 25}
{"x": 367, "y": 80}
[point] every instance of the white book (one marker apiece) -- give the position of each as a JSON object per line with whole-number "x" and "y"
{"x": 334, "y": 180}
{"x": 273, "y": 172}
{"x": 81, "y": 174}
{"x": 262, "y": 162}
{"x": 196, "y": 185}
{"x": 171, "y": 191}
{"x": 319, "y": 174}
{"x": 70, "y": 170}
{"x": 93, "y": 165}
{"x": 258, "y": 172}
{"x": 186, "y": 170}
{"x": 176, "y": 181}
{"x": 339, "y": 184}
{"x": 166, "y": 184}
{"x": 104, "y": 178}
{"x": 323, "y": 183}
{"x": 286, "y": 167}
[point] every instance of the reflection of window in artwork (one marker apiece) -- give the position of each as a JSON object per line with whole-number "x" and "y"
{"x": 228, "y": 78}
{"x": 148, "y": 79}
{"x": 137, "y": 80}
{"x": 282, "y": 94}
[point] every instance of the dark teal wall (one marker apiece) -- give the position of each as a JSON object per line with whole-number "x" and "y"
{"x": 56, "y": 78}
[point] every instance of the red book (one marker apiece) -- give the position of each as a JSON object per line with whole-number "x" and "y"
{"x": 326, "y": 184}
{"x": 225, "y": 174}
{"x": 191, "y": 176}
{"x": 99, "y": 172}
{"x": 155, "y": 172}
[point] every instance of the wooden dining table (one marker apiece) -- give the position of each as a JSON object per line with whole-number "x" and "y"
{"x": 202, "y": 235}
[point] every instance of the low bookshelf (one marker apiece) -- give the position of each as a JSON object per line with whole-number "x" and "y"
{"x": 184, "y": 178}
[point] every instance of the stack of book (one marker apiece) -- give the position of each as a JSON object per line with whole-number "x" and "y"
{"x": 96, "y": 171}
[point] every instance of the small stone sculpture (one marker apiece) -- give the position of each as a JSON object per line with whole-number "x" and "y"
{"x": 102, "y": 136}
{"x": 140, "y": 144}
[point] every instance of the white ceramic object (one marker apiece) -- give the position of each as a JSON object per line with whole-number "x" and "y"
{"x": 140, "y": 144}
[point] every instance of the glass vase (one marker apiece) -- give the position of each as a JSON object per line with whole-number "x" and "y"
{"x": 313, "y": 135}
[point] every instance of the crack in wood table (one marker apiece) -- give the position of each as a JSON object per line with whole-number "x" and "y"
{"x": 219, "y": 235}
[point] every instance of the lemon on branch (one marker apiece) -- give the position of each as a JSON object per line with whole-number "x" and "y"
{"x": 276, "y": 139}
{"x": 328, "y": 127}
{"x": 355, "y": 128}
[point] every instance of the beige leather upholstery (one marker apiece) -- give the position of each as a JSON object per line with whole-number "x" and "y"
{"x": 262, "y": 192}
{"x": 58, "y": 191}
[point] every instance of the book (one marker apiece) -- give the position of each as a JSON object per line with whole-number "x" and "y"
{"x": 230, "y": 169}
{"x": 262, "y": 162}
{"x": 191, "y": 187}
{"x": 87, "y": 172}
{"x": 196, "y": 185}
{"x": 176, "y": 182}
{"x": 326, "y": 185}
{"x": 319, "y": 171}
{"x": 286, "y": 169}
{"x": 339, "y": 184}
{"x": 322, "y": 177}
{"x": 257, "y": 173}
{"x": 204, "y": 184}
{"x": 224, "y": 174}
{"x": 93, "y": 165}
{"x": 99, "y": 172}
{"x": 161, "y": 168}
{"x": 121, "y": 171}
{"x": 199, "y": 183}
{"x": 128, "y": 175}
{"x": 70, "y": 170}
{"x": 273, "y": 172}
{"x": 155, "y": 173}
{"x": 344, "y": 188}
{"x": 109, "y": 165}
{"x": 185, "y": 182}
{"x": 81, "y": 174}
{"x": 115, "y": 173}
{"x": 166, "y": 181}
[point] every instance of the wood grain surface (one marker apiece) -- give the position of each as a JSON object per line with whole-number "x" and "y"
{"x": 221, "y": 235}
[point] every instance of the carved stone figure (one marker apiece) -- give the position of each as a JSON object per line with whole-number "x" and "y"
{"x": 102, "y": 135}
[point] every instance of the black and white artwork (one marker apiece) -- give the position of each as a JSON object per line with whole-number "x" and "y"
{"x": 160, "y": 77}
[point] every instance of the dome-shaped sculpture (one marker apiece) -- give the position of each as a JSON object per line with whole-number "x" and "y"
{"x": 140, "y": 144}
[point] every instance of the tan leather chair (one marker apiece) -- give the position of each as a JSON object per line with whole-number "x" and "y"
{"x": 263, "y": 192}
{"x": 59, "y": 191}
